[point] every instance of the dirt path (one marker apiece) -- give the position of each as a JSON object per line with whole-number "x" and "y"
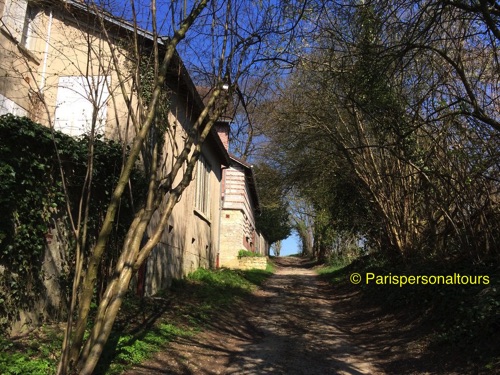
{"x": 287, "y": 327}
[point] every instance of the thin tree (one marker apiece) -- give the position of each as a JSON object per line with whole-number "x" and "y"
{"x": 234, "y": 52}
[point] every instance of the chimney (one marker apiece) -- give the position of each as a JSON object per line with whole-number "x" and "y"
{"x": 223, "y": 128}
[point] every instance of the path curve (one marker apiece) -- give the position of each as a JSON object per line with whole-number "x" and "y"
{"x": 286, "y": 327}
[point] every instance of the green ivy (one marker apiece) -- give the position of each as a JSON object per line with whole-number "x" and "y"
{"x": 32, "y": 201}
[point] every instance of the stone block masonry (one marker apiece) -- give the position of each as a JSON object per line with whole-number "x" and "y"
{"x": 249, "y": 263}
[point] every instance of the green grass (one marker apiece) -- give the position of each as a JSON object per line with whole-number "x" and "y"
{"x": 125, "y": 350}
{"x": 257, "y": 277}
{"x": 35, "y": 355}
{"x": 219, "y": 288}
{"x": 203, "y": 293}
{"x": 247, "y": 253}
{"x": 23, "y": 363}
{"x": 144, "y": 327}
{"x": 333, "y": 271}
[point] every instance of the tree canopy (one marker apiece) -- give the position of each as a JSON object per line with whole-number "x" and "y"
{"x": 388, "y": 127}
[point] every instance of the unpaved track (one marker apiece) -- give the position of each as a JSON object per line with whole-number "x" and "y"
{"x": 287, "y": 327}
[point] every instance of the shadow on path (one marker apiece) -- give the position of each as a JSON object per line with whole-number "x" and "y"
{"x": 286, "y": 327}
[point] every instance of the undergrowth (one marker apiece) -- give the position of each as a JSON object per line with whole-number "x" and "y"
{"x": 247, "y": 253}
{"x": 464, "y": 319}
{"x": 34, "y": 354}
{"x": 144, "y": 327}
{"x": 333, "y": 269}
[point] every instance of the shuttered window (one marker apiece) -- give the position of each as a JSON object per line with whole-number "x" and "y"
{"x": 19, "y": 19}
{"x": 75, "y": 107}
{"x": 29, "y": 26}
{"x": 14, "y": 16}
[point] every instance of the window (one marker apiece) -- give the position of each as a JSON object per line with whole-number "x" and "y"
{"x": 29, "y": 21}
{"x": 14, "y": 16}
{"x": 76, "y": 97}
{"x": 202, "y": 201}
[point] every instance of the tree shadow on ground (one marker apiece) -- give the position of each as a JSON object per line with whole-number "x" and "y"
{"x": 402, "y": 325}
{"x": 288, "y": 328}
{"x": 319, "y": 328}
{"x": 140, "y": 319}
{"x": 187, "y": 306}
{"x": 295, "y": 261}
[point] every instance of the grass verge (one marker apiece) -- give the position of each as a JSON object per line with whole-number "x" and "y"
{"x": 144, "y": 327}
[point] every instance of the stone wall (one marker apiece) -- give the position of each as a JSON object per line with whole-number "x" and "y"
{"x": 231, "y": 238}
{"x": 249, "y": 263}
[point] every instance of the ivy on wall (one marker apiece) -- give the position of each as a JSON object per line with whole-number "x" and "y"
{"x": 32, "y": 200}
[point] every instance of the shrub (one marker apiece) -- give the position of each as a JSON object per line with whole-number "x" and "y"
{"x": 247, "y": 253}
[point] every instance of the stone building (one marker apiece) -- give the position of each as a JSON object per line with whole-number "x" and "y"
{"x": 240, "y": 206}
{"x": 56, "y": 67}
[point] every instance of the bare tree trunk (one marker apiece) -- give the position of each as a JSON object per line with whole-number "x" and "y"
{"x": 277, "y": 248}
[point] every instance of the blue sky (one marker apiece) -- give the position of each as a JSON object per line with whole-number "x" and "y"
{"x": 290, "y": 246}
